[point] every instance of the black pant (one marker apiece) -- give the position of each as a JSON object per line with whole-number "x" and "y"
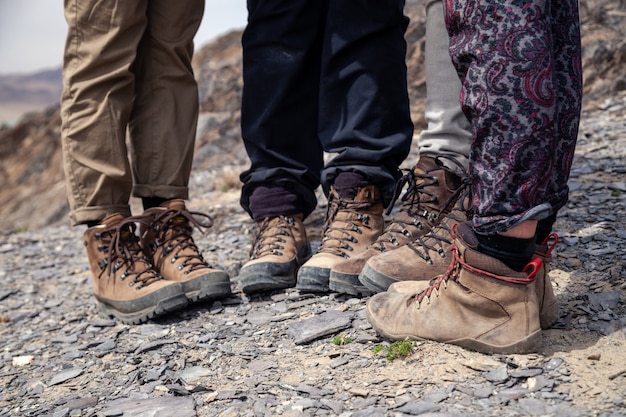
{"x": 324, "y": 75}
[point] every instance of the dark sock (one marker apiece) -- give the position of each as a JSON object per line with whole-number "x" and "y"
{"x": 149, "y": 202}
{"x": 347, "y": 184}
{"x": 273, "y": 201}
{"x": 513, "y": 252}
{"x": 544, "y": 228}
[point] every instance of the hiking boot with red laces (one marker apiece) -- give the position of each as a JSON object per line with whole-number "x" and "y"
{"x": 125, "y": 284}
{"x": 431, "y": 193}
{"x": 351, "y": 226}
{"x": 479, "y": 303}
{"x": 421, "y": 259}
{"x": 280, "y": 247}
{"x": 167, "y": 239}
{"x": 548, "y": 305}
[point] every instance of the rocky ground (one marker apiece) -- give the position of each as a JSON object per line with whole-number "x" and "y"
{"x": 293, "y": 354}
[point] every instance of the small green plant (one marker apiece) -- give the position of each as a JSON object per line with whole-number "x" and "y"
{"x": 616, "y": 193}
{"x": 398, "y": 349}
{"x": 342, "y": 340}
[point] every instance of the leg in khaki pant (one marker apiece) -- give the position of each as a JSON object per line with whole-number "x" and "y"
{"x": 127, "y": 72}
{"x": 128, "y": 65}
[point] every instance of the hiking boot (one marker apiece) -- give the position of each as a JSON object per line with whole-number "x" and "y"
{"x": 548, "y": 306}
{"x": 351, "y": 225}
{"x": 431, "y": 193}
{"x": 280, "y": 247}
{"x": 479, "y": 304}
{"x": 125, "y": 284}
{"x": 421, "y": 259}
{"x": 167, "y": 239}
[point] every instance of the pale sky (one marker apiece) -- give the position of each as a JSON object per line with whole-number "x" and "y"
{"x": 32, "y": 32}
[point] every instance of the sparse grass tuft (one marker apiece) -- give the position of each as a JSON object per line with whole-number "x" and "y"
{"x": 342, "y": 340}
{"x": 398, "y": 349}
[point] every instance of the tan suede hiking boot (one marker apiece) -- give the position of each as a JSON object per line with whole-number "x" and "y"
{"x": 279, "y": 249}
{"x": 125, "y": 284}
{"x": 479, "y": 304}
{"x": 431, "y": 193}
{"x": 548, "y": 305}
{"x": 351, "y": 225}
{"x": 167, "y": 239}
{"x": 421, "y": 259}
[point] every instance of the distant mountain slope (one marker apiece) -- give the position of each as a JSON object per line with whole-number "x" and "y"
{"x": 23, "y": 93}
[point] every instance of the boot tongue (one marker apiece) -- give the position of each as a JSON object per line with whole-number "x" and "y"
{"x": 467, "y": 234}
{"x": 424, "y": 165}
{"x": 112, "y": 219}
{"x": 176, "y": 204}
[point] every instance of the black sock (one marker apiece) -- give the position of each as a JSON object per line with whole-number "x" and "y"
{"x": 544, "y": 228}
{"x": 513, "y": 252}
{"x": 149, "y": 202}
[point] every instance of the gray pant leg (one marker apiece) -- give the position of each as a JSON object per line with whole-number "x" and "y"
{"x": 448, "y": 130}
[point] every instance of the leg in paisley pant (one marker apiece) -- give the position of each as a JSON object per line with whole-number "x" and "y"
{"x": 519, "y": 62}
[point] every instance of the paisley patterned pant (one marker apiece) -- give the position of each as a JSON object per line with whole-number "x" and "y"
{"x": 520, "y": 66}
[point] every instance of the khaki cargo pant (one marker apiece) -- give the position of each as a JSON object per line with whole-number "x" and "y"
{"x": 127, "y": 74}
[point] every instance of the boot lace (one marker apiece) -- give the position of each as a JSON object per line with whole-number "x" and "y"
{"x": 439, "y": 281}
{"x": 441, "y": 235}
{"x": 122, "y": 248}
{"x": 340, "y": 234}
{"x": 419, "y": 204}
{"x": 453, "y": 271}
{"x": 270, "y": 239}
{"x": 173, "y": 229}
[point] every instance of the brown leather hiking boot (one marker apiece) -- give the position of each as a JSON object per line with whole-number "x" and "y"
{"x": 351, "y": 225}
{"x": 479, "y": 304}
{"x": 431, "y": 193}
{"x": 548, "y": 305}
{"x": 280, "y": 247}
{"x": 166, "y": 238}
{"x": 125, "y": 284}
{"x": 421, "y": 259}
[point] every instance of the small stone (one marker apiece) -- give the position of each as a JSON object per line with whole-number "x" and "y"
{"x": 65, "y": 375}
{"x": 497, "y": 375}
{"x": 532, "y": 406}
{"x": 22, "y": 360}
{"x": 330, "y": 322}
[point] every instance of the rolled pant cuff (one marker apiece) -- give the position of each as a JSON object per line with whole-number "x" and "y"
{"x": 168, "y": 192}
{"x": 97, "y": 213}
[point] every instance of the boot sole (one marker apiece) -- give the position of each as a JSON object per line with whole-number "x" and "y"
{"x": 347, "y": 284}
{"x": 374, "y": 280}
{"x": 313, "y": 279}
{"x": 528, "y": 344}
{"x": 164, "y": 306}
{"x": 267, "y": 276}
{"x": 207, "y": 287}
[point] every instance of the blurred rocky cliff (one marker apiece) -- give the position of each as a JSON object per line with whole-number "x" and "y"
{"x": 32, "y": 190}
